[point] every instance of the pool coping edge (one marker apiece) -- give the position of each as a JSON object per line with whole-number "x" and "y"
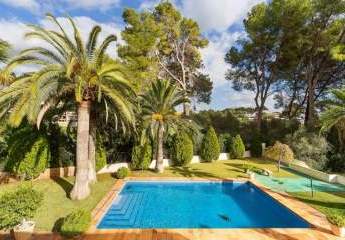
{"x": 316, "y": 219}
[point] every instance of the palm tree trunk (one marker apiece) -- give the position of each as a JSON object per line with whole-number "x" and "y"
{"x": 81, "y": 187}
{"x": 92, "y": 152}
{"x": 159, "y": 152}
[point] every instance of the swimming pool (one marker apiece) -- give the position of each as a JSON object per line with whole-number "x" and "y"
{"x": 197, "y": 205}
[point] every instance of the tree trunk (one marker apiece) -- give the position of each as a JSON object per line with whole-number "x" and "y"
{"x": 159, "y": 152}
{"x": 81, "y": 187}
{"x": 310, "y": 110}
{"x": 259, "y": 118}
{"x": 186, "y": 109}
{"x": 92, "y": 152}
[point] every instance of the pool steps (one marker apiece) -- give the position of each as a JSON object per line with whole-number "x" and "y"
{"x": 125, "y": 212}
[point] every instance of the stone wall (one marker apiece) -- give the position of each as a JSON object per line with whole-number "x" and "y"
{"x": 57, "y": 172}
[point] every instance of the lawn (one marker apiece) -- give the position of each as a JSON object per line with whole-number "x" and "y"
{"x": 325, "y": 202}
{"x": 219, "y": 169}
{"x": 56, "y": 203}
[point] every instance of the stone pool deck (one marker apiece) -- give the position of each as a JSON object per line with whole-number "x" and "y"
{"x": 321, "y": 228}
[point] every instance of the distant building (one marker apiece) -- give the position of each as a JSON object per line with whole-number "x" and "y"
{"x": 66, "y": 118}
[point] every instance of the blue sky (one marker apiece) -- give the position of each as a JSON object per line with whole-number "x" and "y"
{"x": 220, "y": 21}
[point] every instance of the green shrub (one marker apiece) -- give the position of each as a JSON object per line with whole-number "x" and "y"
{"x": 75, "y": 223}
{"x": 17, "y": 205}
{"x": 224, "y": 141}
{"x": 310, "y": 148}
{"x": 256, "y": 145}
{"x": 122, "y": 172}
{"x": 250, "y": 168}
{"x": 278, "y": 152}
{"x": 182, "y": 150}
{"x": 237, "y": 147}
{"x": 141, "y": 156}
{"x": 101, "y": 156}
{"x": 35, "y": 161}
{"x": 336, "y": 219}
{"x": 210, "y": 149}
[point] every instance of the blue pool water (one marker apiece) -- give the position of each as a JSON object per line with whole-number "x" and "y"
{"x": 197, "y": 205}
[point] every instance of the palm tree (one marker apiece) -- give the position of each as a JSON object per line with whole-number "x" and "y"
{"x": 334, "y": 116}
{"x": 4, "y": 49}
{"x": 159, "y": 114}
{"x": 71, "y": 71}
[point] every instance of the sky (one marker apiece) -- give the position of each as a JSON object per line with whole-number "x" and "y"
{"x": 220, "y": 21}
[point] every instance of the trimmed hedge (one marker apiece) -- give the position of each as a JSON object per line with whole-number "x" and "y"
{"x": 256, "y": 146}
{"x": 17, "y": 205}
{"x": 76, "y": 223}
{"x": 182, "y": 149}
{"x": 224, "y": 140}
{"x": 237, "y": 147}
{"x": 101, "y": 156}
{"x": 141, "y": 156}
{"x": 122, "y": 172}
{"x": 210, "y": 149}
{"x": 35, "y": 161}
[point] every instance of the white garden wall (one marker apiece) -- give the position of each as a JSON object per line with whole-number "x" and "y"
{"x": 166, "y": 162}
{"x": 340, "y": 179}
{"x": 331, "y": 178}
{"x": 110, "y": 168}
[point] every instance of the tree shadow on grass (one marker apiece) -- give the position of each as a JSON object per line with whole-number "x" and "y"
{"x": 57, "y": 225}
{"x": 337, "y": 205}
{"x": 192, "y": 172}
{"x": 236, "y": 166}
{"x": 64, "y": 184}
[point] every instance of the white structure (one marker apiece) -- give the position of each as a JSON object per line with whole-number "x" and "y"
{"x": 166, "y": 162}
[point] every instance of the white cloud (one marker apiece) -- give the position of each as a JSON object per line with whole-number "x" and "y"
{"x": 92, "y": 4}
{"x": 223, "y": 95}
{"x": 85, "y": 24}
{"x": 213, "y": 55}
{"x": 13, "y": 32}
{"x": 35, "y": 6}
{"x": 30, "y": 5}
{"x": 217, "y": 15}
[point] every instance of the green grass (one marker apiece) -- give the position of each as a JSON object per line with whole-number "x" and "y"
{"x": 219, "y": 169}
{"x": 325, "y": 202}
{"x": 56, "y": 203}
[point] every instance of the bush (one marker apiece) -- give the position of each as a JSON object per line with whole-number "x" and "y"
{"x": 278, "y": 152}
{"x": 182, "y": 150}
{"x": 122, "y": 172}
{"x": 250, "y": 168}
{"x": 141, "y": 156}
{"x": 17, "y": 205}
{"x": 75, "y": 223}
{"x": 336, "y": 161}
{"x": 35, "y": 161}
{"x": 101, "y": 156}
{"x": 210, "y": 147}
{"x": 237, "y": 147}
{"x": 224, "y": 141}
{"x": 256, "y": 145}
{"x": 336, "y": 219}
{"x": 310, "y": 148}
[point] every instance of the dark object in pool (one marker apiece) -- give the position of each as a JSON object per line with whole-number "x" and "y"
{"x": 224, "y": 217}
